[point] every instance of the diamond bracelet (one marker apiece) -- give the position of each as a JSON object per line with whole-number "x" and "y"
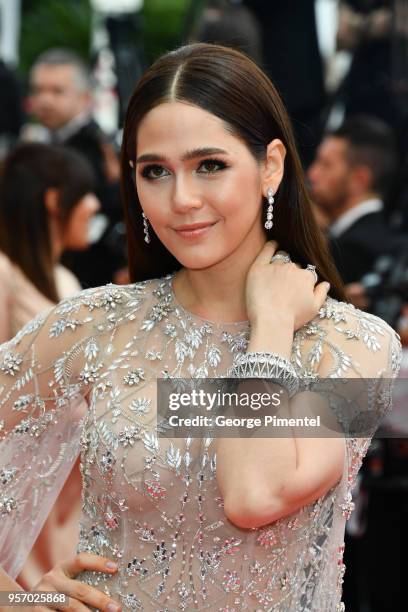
{"x": 269, "y": 366}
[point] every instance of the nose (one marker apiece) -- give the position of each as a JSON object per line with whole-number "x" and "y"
{"x": 312, "y": 173}
{"x": 96, "y": 204}
{"x": 185, "y": 195}
{"x": 42, "y": 97}
{"x": 92, "y": 204}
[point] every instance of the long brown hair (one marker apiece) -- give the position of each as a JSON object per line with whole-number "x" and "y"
{"x": 228, "y": 84}
{"x": 26, "y": 174}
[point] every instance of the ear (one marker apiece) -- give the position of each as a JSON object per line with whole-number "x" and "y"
{"x": 51, "y": 201}
{"x": 86, "y": 98}
{"x": 362, "y": 179}
{"x": 273, "y": 166}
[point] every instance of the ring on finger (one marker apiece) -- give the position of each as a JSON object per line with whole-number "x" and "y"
{"x": 281, "y": 257}
{"x": 312, "y": 269}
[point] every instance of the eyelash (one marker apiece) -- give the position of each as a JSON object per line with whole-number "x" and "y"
{"x": 147, "y": 169}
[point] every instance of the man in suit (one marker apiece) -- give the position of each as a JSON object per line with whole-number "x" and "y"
{"x": 349, "y": 179}
{"x": 61, "y": 101}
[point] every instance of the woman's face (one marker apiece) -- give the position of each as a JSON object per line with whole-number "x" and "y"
{"x": 199, "y": 186}
{"x": 76, "y": 231}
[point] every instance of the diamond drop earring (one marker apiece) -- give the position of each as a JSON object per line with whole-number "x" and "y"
{"x": 146, "y": 228}
{"x": 269, "y": 210}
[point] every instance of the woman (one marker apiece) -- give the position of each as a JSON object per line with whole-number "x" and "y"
{"x": 46, "y": 203}
{"x": 194, "y": 523}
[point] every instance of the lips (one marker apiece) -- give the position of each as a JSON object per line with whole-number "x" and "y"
{"x": 194, "y": 226}
{"x": 194, "y": 230}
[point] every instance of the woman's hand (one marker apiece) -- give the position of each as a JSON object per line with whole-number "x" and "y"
{"x": 281, "y": 291}
{"x": 61, "y": 579}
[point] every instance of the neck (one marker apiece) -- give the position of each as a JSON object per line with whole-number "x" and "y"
{"x": 217, "y": 293}
{"x": 74, "y": 123}
{"x": 350, "y": 203}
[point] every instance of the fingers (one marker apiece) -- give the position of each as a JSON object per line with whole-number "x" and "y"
{"x": 267, "y": 252}
{"x": 320, "y": 294}
{"x": 75, "y": 606}
{"x": 61, "y": 579}
{"x": 312, "y": 275}
{"x": 87, "y": 561}
{"x": 82, "y": 595}
{"x": 279, "y": 256}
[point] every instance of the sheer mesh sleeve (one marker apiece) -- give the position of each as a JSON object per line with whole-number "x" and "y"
{"x": 382, "y": 369}
{"x": 45, "y": 374}
{"x": 355, "y": 356}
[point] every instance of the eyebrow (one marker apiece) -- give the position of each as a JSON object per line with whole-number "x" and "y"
{"x": 189, "y": 155}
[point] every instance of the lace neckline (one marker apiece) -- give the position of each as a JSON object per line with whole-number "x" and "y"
{"x": 194, "y": 318}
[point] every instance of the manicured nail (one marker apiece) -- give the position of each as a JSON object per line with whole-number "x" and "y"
{"x": 112, "y": 607}
{"x": 327, "y": 285}
{"x": 111, "y": 565}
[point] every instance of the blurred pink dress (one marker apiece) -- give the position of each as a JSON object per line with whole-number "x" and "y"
{"x": 20, "y": 301}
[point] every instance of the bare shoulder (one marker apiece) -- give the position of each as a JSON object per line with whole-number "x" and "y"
{"x": 67, "y": 283}
{"x": 343, "y": 341}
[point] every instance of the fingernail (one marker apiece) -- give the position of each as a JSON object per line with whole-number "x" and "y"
{"x": 112, "y": 607}
{"x": 111, "y": 565}
{"x": 327, "y": 286}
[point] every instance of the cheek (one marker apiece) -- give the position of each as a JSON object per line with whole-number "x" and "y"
{"x": 338, "y": 181}
{"x": 237, "y": 198}
{"x": 242, "y": 199}
{"x": 153, "y": 198}
{"x": 64, "y": 104}
{"x": 78, "y": 226}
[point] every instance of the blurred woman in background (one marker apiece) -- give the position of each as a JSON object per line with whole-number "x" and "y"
{"x": 46, "y": 203}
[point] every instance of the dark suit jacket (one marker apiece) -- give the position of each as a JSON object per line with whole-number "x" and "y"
{"x": 356, "y": 250}
{"x": 291, "y": 58}
{"x": 291, "y": 52}
{"x": 88, "y": 141}
{"x": 11, "y": 108}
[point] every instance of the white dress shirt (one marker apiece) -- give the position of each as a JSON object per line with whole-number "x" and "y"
{"x": 347, "y": 219}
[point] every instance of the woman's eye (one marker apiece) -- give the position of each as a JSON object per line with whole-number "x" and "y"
{"x": 154, "y": 172}
{"x": 209, "y": 166}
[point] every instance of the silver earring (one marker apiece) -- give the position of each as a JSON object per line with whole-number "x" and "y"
{"x": 146, "y": 228}
{"x": 269, "y": 210}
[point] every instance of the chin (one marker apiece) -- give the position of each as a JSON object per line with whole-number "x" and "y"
{"x": 198, "y": 263}
{"x": 51, "y": 125}
{"x": 78, "y": 247}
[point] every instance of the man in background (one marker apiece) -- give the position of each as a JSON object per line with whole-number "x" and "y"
{"x": 350, "y": 179}
{"x": 61, "y": 102}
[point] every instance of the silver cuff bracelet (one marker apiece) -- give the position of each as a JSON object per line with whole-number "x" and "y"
{"x": 269, "y": 366}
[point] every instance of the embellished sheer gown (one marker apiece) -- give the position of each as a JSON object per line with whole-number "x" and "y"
{"x": 84, "y": 377}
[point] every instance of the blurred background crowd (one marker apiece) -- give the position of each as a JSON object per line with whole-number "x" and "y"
{"x": 67, "y": 70}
